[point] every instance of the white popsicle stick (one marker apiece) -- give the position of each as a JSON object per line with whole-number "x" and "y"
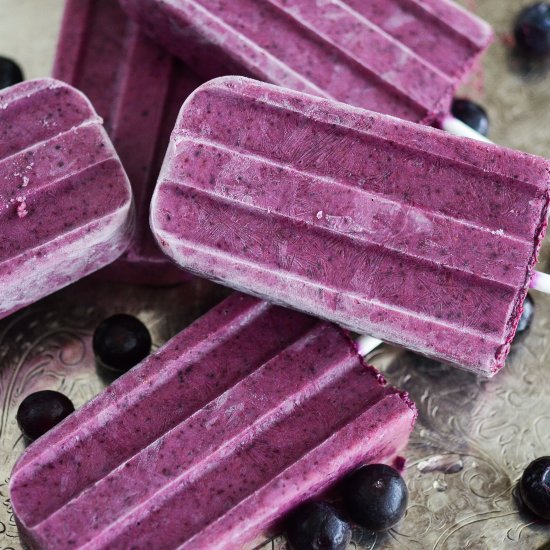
{"x": 541, "y": 282}
{"x": 458, "y": 128}
{"x": 365, "y": 344}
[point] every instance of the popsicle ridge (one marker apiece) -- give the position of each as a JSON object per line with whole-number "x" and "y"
{"x": 236, "y": 415}
{"x": 239, "y": 525}
{"x": 355, "y": 37}
{"x": 138, "y": 88}
{"x": 378, "y": 57}
{"x": 359, "y": 227}
{"x": 17, "y": 137}
{"x": 202, "y": 342}
{"x": 257, "y": 420}
{"x": 445, "y": 24}
{"x": 342, "y": 231}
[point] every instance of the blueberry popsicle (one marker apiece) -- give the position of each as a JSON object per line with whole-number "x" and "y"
{"x": 400, "y": 57}
{"x": 387, "y": 227}
{"x": 242, "y": 416}
{"x": 138, "y": 89}
{"x": 65, "y": 201}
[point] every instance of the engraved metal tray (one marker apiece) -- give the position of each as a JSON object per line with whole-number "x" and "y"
{"x": 473, "y": 437}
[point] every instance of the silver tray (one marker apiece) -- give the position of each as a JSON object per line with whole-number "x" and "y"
{"x": 473, "y": 438}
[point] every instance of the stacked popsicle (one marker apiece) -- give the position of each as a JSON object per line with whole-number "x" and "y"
{"x": 400, "y": 57}
{"x": 138, "y": 89}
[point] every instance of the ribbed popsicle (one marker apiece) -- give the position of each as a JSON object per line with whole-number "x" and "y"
{"x": 386, "y": 227}
{"x": 242, "y": 416}
{"x": 65, "y": 201}
{"x": 400, "y": 57}
{"x": 138, "y": 89}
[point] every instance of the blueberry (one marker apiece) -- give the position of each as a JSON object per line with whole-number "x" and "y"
{"x": 375, "y": 497}
{"x": 41, "y": 411}
{"x": 472, "y": 114}
{"x": 532, "y": 29}
{"x": 526, "y": 319}
{"x": 10, "y": 73}
{"x": 317, "y": 526}
{"x": 120, "y": 342}
{"x": 534, "y": 487}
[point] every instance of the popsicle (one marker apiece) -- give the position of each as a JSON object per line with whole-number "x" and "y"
{"x": 65, "y": 201}
{"x": 138, "y": 89}
{"x": 400, "y": 57}
{"x": 242, "y": 416}
{"x": 386, "y": 227}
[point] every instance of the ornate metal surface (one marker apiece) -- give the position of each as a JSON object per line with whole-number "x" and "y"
{"x": 473, "y": 436}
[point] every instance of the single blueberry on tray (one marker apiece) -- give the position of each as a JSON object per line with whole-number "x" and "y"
{"x": 532, "y": 29}
{"x": 472, "y": 114}
{"x": 41, "y": 411}
{"x": 317, "y": 526}
{"x": 375, "y": 497}
{"x": 10, "y": 73}
{"x": 534, "y": 487}
{"x": 121, "y": 342}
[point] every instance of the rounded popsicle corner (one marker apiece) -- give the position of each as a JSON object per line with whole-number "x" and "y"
{"x": 67, "y": 203}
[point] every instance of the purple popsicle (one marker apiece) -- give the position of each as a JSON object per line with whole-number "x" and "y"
{"x": 400, "y": 57}
{"x": 65, "y": 201}
{"x": 389, "y": 228}
{"x": 241, "y": 417}
{"x": 138, "y": 89}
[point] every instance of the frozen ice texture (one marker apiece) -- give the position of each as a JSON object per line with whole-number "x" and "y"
{"x": 65, "y": 201}
{"x": 400, "y": 57}
{"x": 245, "y": 414}
{"x": 138, "y": 89}
{"x": 386, "y": 227}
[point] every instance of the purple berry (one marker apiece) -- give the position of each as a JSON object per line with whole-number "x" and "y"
{"x": 526, "y": 319}
{"x": 534, "y": 487}
{"x": 10, "y": 73}
{"x": 317, "y": 526}
{"x": 472, "y": 114}
{"x": 39, "y": 412}
{"x": 121, "y": 342}
{"x": 375, "y": 497}
{"x": 532, "y": 29}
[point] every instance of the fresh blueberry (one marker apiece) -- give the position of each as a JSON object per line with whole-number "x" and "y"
{"x": 472, "y": 114}
{"x": 534, "y": 487}
{"x": 526, "y": 319}
{"x": 375, "y": 497}
{"x": 120, "y": 342}
{"x": 317, "y": 526}
{"x": 532, "y": 29}
{"x": 10, "y": 73}
{"x": 41, "y": 411}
